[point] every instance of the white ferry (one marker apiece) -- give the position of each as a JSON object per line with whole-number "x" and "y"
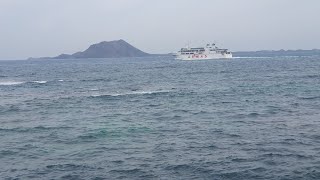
{"x": 211, "y": 51}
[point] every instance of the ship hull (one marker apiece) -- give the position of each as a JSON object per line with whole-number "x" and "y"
{"x": 203, "y": 57}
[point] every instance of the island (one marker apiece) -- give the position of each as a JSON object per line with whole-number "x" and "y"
{"x": 122, "y": 49}
{"x": 105, "y": 49}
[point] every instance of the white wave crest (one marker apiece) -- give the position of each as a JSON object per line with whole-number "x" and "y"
{"x": 94, "y": 89}
{"x": 10, "y": 83}
{"x": 130, "y": 93}
{"x": 40, "y": 82}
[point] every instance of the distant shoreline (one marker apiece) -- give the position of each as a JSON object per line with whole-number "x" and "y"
{"x": 122, "y": 49}
{"x": 236, "y": 54}
{"x": 262, "y": 53}
{"x": 278, "y": 53}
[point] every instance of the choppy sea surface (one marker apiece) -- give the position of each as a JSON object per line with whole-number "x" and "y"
{"x": 159, "y": 118}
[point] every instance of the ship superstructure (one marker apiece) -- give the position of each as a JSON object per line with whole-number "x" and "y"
{"x": 211, "y": 51}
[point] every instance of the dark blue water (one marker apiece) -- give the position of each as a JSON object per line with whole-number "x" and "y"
{"x": 158, "y": 118}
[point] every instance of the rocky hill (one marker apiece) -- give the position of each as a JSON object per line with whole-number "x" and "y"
{"x": 110, "y": 49}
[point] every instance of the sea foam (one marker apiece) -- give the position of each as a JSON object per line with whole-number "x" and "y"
{"x": 40, "y": 82}
{"x": 10, "y": 83}
{"x": 130, "y": 93}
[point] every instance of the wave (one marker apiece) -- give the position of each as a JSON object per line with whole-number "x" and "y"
{"x": 312, "y": 76}
{"x": 11, "y": 83}
{"x": 33, "y": 129}
{"x": 94, "y": 89}
{"x": 4, "y": 153}
{"x": 131, "y": 93}
{"x": 200, "y": 72}
{"x": 96, "y": 80}
{"x": 310, "y": 98}
{"x": 285, "y": 155}
{"x": 67, "y": 167}
{"x": 40, "y": 82}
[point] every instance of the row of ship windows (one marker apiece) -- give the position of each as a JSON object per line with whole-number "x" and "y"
{"x": 193, "y": 53}
{"x": 200, "y": 50}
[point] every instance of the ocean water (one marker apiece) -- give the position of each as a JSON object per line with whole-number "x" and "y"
{"x": 159, "y": 118}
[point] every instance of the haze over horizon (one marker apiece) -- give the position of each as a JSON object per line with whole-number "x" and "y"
{"x": 36, "y": 28}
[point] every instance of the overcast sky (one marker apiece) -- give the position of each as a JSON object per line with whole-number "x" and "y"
{"x": 35, "y": 28}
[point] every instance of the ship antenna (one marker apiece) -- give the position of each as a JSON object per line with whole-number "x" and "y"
{"x": 214, "y": 44}
{"x": 187, "y": 45}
